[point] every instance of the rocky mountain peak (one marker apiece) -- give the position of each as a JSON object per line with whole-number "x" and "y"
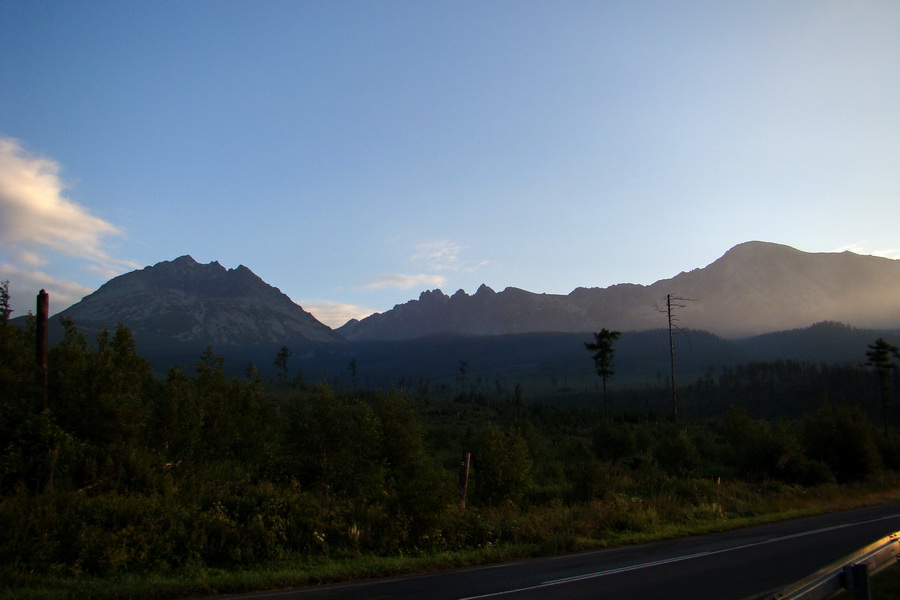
{"x": 435, "y": 295}
{"x": 186, "y": 259}
{"x": 187, "y": 301}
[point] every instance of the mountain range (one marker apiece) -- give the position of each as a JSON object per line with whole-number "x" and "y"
{"x": 755, "y": 288}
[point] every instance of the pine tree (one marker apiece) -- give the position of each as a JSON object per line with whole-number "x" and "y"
{"x": 603, "y": 350}
{"x": 881, "y": 356}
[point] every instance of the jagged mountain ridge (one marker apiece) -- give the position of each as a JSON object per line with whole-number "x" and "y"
{"x": 754, "y": 288}
{"x": 185, "y": 302}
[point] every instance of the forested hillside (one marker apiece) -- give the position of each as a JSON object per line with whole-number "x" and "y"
{"x": 121, "y": 471}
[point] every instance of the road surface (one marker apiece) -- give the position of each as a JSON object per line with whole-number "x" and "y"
{"x": 744, "y": 564}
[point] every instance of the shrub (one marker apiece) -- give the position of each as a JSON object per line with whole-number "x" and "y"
{"x": 844, "y": 440}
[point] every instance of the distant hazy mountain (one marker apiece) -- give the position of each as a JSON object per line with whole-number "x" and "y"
{"x": 177, "y": 308}
{"x": 755, "y": 288}
{"x": 183, "y": 303}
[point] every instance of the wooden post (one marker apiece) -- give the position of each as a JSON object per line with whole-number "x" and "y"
{"x": 464, "y": 478}
{"x": 43, "y": 309}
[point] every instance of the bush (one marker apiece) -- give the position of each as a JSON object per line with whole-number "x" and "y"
{"x": 676, "y": 452}
{"x": 843, "y": 439}
{"x": 501, "y": 466}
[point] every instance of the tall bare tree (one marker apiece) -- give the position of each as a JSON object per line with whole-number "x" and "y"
{"x": 673, "y": 303}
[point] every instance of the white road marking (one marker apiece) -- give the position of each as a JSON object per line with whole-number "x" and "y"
{"x": 598, "y": 574}
{"x": 555, "y": 582}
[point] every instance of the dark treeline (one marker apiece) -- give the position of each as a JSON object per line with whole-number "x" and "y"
{"x": 806, "y": 367}
{"x": 766, "y": 389}
{"x": 124, "y": 470}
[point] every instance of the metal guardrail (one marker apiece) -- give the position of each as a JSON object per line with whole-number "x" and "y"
{"x": 849, "y": 573}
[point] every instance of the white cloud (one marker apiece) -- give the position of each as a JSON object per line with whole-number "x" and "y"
{"x": 854, "y": 248}
{"x": 30, "y": 259}
{"x": 858, "y": 248}
{"x": 440, "y": 255}
{"x": 444, "y": 255}
{"x": 404, "y": 282}
{"x": 24, "y": 285}
{"x": 34, "y": 211}
{"x": 39, "y": 225}
{"x": 335, "y": 314}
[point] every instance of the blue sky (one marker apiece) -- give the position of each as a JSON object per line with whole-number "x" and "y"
{"x": 354, "y": 154}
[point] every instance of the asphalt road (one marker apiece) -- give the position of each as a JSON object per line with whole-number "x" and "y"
{"x": 736, "y": 565}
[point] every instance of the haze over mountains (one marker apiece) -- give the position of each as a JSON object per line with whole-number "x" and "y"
{"x": 755, "y": 288}
{"x": 178, "y": 308}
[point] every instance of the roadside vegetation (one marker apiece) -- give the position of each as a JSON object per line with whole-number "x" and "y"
{"x": 884, "y": 586}
{"x": 128, "y": 485}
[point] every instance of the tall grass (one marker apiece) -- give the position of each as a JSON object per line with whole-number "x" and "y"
{"x": 470, "y": 537}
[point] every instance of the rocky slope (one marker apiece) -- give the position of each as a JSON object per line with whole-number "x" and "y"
{"x": 185, "y": 302}
{"x": 755, "y": 288}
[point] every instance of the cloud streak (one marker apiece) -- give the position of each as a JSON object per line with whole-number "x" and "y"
{"x": 403, "y": 282}
{"x": 441, "y": 258}
{"x": 444, "y": 255}
{"x": 335, "y": 314}
{"x": 34, "y": 211}
{"x": 25, "y": 283}
{"x": 440, "y": 255}
{"x": 38, "y": 223}
{"x": 858, "y": 248}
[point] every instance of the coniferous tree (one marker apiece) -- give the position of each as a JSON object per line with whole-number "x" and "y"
{"x": 603, "y": 353}
{"x": 5, "y": 310}
{"x": 281, "y": 362}
{"x": 881, "y": 356}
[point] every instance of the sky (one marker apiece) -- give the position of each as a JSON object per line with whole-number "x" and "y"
{"x": 356, "y": 153}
